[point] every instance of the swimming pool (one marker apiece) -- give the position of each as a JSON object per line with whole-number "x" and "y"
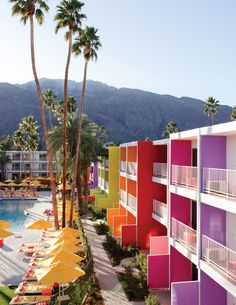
{"x": 13, "y": 211}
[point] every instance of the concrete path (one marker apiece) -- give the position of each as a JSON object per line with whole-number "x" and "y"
{"x": 12, "y": 267}
{"x": 111, "y": 288}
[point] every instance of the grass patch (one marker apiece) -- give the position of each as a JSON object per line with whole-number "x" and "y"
{"x": 6, "y": 294}
{"x": 97, "y": 212}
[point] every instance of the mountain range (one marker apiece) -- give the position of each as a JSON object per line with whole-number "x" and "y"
{"x": 128, "y": 114}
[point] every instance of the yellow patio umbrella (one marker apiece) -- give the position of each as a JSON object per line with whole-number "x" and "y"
{"x": 39, "y": 225}
{"x": 4, "y": 224}
{"x": 3, "y": 184}
{"x": 5, "y": 234}
{"x": 65, "y": 247}
{"x": 63, "y": 257}
{"x": 23, "y": 184}
{"x": 60, "y": 186}
{"x": 58, "y": 273}
{"x": 26, "y": 180}
{"x": 68, "y": 239}
{"x": 12, "y": 184}
{"x": 71, "y": 232}
{"x": 8, "y": 181}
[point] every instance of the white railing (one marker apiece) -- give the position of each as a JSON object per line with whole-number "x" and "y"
{"x": 220, "y": 256}
{"x": 160, "y": 170}
{"x": 184, "y": 234}
{"x": 184, "y": 175}
{"x": 123, "y": 166}
{"x": 160, "y": 209}
{"x": 106, "y": 185}
{"x": 132, "y": 202}
{"x": 123, "y": 196}
{"x": 219, "y": 181}
{"x": 107, "y": 163}
{"x": 132, "y": 168}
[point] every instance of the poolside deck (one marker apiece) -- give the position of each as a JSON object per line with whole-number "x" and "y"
{"x": 12, "y": 267}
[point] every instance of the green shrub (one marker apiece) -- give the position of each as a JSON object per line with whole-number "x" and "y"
{"x": 152, "y": 300}
{"x": 141, "y": 262}
{"x": 113, "y": 248}
{"x": 97, "y": 212}
{"x": 102, "y": 228}
{"x": 130, "y": 250}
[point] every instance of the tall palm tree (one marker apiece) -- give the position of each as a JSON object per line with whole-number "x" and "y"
{"x": 211, "y": 108}
{"x": 27, "y": 10}
{"x": 87, "y": 43}
{"x": 19, "y": 142}
{"x": 171, "y": 127}
{"x": 50, "y": 99}
{"x": 233, "y": 114}
{"x": 68, "y": 16}
{"x": 4, "y": 160}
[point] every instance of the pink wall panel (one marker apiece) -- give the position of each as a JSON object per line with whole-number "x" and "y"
{"x": 128, "y": 235}
{"x": 159, "y": 245}
{"x": 181, "y": 152}
{"x": 158, "y": 271}
{"x": 181, "y": 208}
{"x": 180, "y": 266}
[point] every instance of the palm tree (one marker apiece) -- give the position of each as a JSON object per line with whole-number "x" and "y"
{"x": 50, "y": 99}
{"x": 233, "y": 114}
{"x": 68, "y": 16}
{"x": 19, "y": 142}
{"x": 27, "y": 10}
{"x": 171, "y": 127}
{"x": 4, "y": 160}
{"x": 88, "y": 42}
{"x": 211, "y": 108}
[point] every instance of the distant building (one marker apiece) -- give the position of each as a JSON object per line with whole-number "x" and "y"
{"x": 25, "y": 163}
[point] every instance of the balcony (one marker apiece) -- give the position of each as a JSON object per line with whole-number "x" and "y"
{"x": 106, "y": 163}
{"x": 219, "y": 257}
{"x": 132, "y": 202}
{"x": 123, "y": 196}
{"x": 123, "y": 166}
{"x": 184, "y": 235}
{"x": 220, "y": 182}
{"x": 184, "y": 176}
{"x": 160, "y": 170}
{"x": 160, "y": 209}
{"x": 106, "y": 185}
{"x": 132, "y": 168}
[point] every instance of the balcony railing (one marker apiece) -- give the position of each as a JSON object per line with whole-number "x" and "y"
{"x": 160, "y": 170}
{"x": 132, "y": 202}
{"x": 219, "y": 181}
{"x": 123, "y": 196}
{"x": 219, "y": 256}
{"x": 132, "y": 168}
{"x": 106, "y": 185}
{"x": 184, "y": 175}
{"x": 184, "y": 234}
{"x": 123, "y": 166}
{"x": 160, "y": 209}
{"x": 106, "y": 163}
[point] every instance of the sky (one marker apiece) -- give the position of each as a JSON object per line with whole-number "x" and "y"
{"x": 177, "y": 47}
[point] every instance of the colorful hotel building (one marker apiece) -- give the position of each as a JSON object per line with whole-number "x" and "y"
{"x": 178, "y": 202}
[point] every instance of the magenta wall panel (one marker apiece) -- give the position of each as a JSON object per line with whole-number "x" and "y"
{"x": 211, "y": 293}
{"x": 159, "y": 245}
{"x": 180, "y": 267}
{"x": 185, "y": 293}
{"x": 158, "y": 271}
{"x": 181, "y": 152}
{"x": 128, "y": 234}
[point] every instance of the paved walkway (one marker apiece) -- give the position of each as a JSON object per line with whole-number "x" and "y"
{"x": 12, "y": 267}
{"x": 111, "y": 288}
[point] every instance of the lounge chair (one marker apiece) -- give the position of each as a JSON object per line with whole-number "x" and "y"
{"x": 30, "y": 300}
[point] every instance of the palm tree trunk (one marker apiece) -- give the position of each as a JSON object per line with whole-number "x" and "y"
{"x": 48, "y": 148}
{"x": 50, "y": 118}
{"x": 78, "y": 140}
{"x": 64, "y": 129}
{"x": 212, "y": 119}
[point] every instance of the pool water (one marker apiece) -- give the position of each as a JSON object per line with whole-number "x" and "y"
{"x": 13, "y": 211}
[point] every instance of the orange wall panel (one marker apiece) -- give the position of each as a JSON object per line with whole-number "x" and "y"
{"x": 123, "y": 183}
{"x": 123, "y": 153}
{"x": 131, "y": 219}
{"x": 111, "y": 212}
{"x": 122, "y": 210}
{"x": 118, "y": 221}
{"x": 132, "y": 187}
{"x": 132, "y": 154}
